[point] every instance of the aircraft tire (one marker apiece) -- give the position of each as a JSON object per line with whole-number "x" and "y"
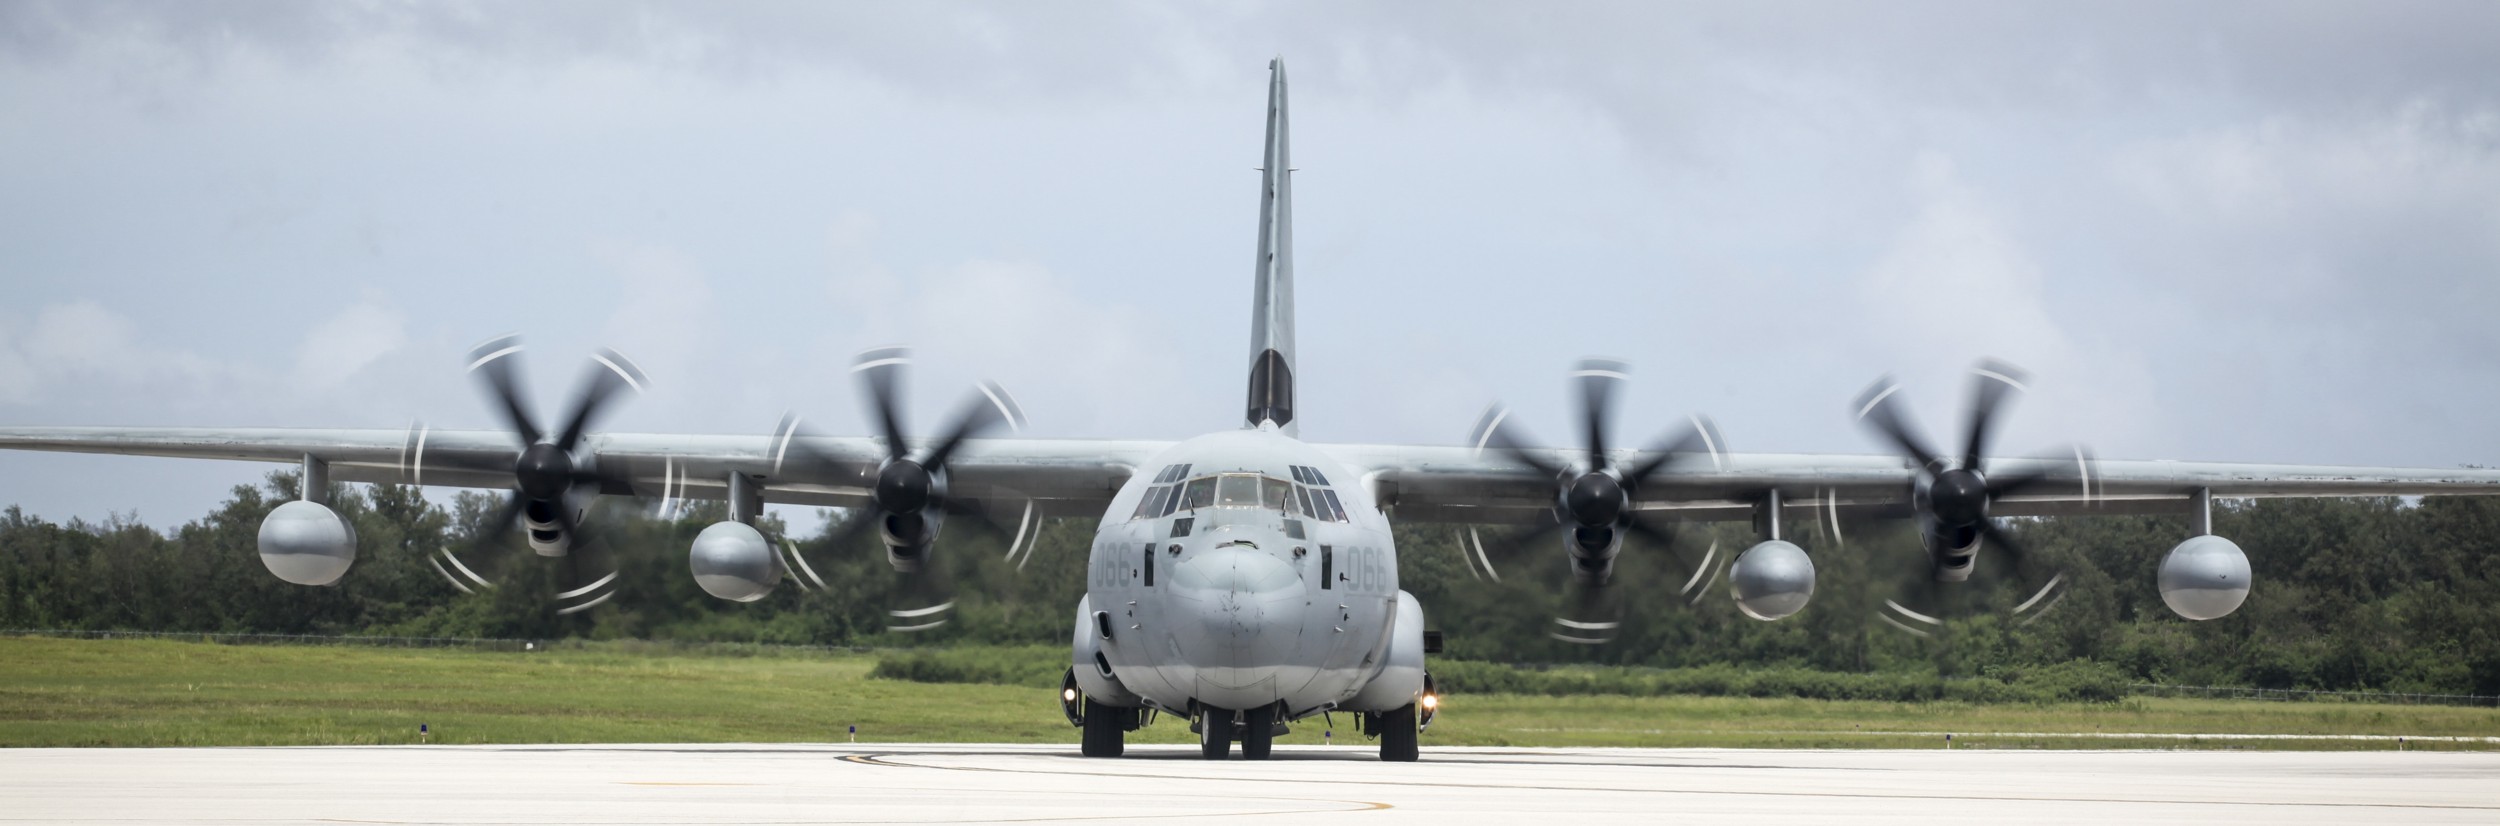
{"x": 1215, "y": 734}
{"x": 1258, "y": 733}
{"x": 1105, "y": 736}
{"x": 1397, "y": 735}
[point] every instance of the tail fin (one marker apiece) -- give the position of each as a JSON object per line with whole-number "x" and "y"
{"x": 1271, "y": 319}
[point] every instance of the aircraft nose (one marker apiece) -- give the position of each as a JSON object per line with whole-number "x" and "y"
{"x": 1246, "y": 605}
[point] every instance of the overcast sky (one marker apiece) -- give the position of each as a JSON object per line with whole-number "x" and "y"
{"x": 2262, "y": 232}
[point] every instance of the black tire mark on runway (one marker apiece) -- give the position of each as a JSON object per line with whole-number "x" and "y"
{"x": 878, "y": 760}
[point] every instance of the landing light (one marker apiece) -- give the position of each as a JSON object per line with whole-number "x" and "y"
{"x": 1067, "y": 695}
{"x": 1432, "y": 701}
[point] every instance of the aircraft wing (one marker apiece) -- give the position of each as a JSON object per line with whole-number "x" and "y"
{"x": 1077, "y": 477}
{"x": 1063, "y": 477}
{"x": 1459, "y": 484}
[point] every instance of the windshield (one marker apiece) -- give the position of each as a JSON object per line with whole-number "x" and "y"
{"x": 1199, "y": 494}
{"x": 1237, "y": 491}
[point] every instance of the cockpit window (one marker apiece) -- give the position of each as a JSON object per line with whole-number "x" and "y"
{"x": 1336, "y": 511}
{"x": 1199, "y": 494}
{"x": 1237, "y": 491}
{"x": 1277, "y": 494}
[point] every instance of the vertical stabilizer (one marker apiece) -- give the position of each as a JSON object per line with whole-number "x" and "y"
{"x": 1271, "y": 313}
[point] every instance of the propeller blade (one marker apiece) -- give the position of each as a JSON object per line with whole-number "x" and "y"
{"x": 880, "y": 373}
{"x": 994, "y": 407}
{"x": 929, "y": 593}
{"x": 791, "y": 446}
{"x": 1665, "y": 539}
{"x": 503, "y": 523}
{"x": 2026, "y": 569}
{"x": 1510, "y": 545}
{"x": 1597, "y": 379}
{"x": 1877, "y": 410}
{"x": 861, "y": 520}
{"x": 2080, "y": 474}
{"x": 980, "y": 516}
{"x": 1992, "y": 382}
{"x": 1702, "y": 440}
{"x": 1495, "y": 431}
{"x": 582, "y": 590}
{"x": 493, "y": 364}
{"x": 1588, "y": 622}
{"x": 609, "y": 371}
{"x": 2004, "y": 541}
{"x": 481, "y": 548}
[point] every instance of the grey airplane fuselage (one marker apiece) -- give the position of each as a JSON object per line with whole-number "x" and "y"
{"x": 1286, "y": 597}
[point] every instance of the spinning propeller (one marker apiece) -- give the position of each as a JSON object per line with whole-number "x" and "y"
{"x": 1952, "y": 496}
{"x": 1594, "y": 496}
{"x": 909, "y": 498}
{"x": 547, "y": 472}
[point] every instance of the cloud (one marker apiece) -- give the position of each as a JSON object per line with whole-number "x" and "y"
{"x": 336, "y": 350}
{"x": 83, "y": 342}
{"x": 2397, "y": 212}
{"x": 1068, "y": 355}
{"x": 2220, "y": 231}
{"x": 1958, "y": 283}
{"x": 17, "y": 376}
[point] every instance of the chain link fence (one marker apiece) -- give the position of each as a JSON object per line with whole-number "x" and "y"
{"x": 2245, "y": 693}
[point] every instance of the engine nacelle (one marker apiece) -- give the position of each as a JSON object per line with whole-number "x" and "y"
{"x": 909, "y": 538}
{"x": 731, "y": 560}
{"x": 546, "y": 535}
{"x": 1093, "y": 664}
{"x": 307, "y": 544}
{"x": 1772, "y": 580}
{"x": 1950, "y": 551}
{"x": 2206, "y": 577}
{"x": 1593, "y": 552}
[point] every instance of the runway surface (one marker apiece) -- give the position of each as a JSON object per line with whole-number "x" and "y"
{"x": 914, "y": 783}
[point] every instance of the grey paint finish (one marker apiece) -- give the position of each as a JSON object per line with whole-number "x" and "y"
{"x": 733, "y": 561}
{"x": 1772, "y": 580}
{"x": 306, "y": 543}
{"x": 1271, "y": 306}
{"x": 2204, "y": 578}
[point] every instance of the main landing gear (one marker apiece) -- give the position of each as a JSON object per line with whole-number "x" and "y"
{"x": 1397, "y": 731}
{"x": 1215, "y": 734}
{"x": 1106, "y": 729}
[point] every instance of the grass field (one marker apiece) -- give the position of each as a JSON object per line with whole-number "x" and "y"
{"x": 56, "y": 692}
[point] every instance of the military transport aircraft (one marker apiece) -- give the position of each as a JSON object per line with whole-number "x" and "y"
{"x": 1246, "y": 579}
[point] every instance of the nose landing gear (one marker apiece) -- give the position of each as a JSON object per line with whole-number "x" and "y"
{"x": 1255, "y": 728}
{"x": 1215, "y": 733}
{"x": 1258, "y": 732}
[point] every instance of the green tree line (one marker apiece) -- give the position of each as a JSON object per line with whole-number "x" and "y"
{"x": 2351, "y": 594}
